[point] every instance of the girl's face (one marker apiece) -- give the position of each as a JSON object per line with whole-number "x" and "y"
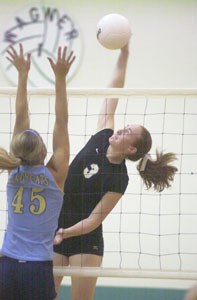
{"x": 123, "y": 140}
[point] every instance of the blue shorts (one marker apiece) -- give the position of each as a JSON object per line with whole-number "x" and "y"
{"x": 30, "y": 280}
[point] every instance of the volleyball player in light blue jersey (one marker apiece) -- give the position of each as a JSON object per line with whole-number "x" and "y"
{"x": 34, "y": 203}
{"x": 34, "y": 191}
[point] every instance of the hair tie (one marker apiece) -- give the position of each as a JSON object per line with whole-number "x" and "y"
{"x": 146, "y": 157}
{"x": 27, "y": 162}
{"x": 21, "y": 157}
{"x": 32, "y": 131}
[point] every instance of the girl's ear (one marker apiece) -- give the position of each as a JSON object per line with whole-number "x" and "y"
{"x": 131, "y": 150}
{"x": 44, "y": 151}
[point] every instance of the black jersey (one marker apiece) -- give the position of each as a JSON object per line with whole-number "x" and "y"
{"x": 90, "y": 176}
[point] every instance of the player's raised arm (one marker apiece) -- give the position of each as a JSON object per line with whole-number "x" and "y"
{"x": 23, "y": 66}
{"x": 108, "y": 108}
{"x": 58, "y": 163}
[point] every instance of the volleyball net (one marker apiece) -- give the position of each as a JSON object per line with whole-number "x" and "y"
{"x": 148, "y": 234}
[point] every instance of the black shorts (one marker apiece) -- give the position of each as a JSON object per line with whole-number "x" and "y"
{"x": 83, "y": 244}
{"x": 31, "y": 280}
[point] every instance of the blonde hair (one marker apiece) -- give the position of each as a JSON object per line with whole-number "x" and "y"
{"x": 26, "y": 148}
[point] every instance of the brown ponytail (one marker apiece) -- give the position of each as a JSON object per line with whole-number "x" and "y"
{"x": 158, "y": 173}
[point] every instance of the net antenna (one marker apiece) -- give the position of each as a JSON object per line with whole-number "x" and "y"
{"x": 148, "y": 234}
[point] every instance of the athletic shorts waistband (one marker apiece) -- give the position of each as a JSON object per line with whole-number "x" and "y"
{"x": 24, "y": 261}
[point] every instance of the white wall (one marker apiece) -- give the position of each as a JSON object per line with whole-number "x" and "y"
{"x": 163, "y": 46}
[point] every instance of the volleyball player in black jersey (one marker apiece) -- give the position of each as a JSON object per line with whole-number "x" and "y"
{"x": 96, "y": 181}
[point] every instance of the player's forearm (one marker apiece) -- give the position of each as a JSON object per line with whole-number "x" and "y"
{"x": 61, "y": 105}
{"x": 80, "y": 228}
{"x": 118, "y": 79}
{"x": 21, "y": 97}
{"x": 109, "y": 104}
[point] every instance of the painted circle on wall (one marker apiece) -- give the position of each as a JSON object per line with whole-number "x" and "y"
{"x": 41, "y": 30}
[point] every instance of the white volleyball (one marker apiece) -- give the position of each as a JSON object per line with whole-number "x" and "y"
{"x": 113, "y": 31}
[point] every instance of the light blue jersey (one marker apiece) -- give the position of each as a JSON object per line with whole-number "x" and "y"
{"x": 34, "y": 204}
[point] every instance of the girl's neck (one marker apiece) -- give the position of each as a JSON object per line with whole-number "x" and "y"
{"x": 113, "y": 156}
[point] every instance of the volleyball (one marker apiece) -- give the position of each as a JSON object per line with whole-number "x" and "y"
{"x": 113, "y": 31}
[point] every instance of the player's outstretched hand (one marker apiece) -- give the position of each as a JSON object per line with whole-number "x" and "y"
{"x": 58, "y": 237}
{"x": 17, "y": 59}
{"x": 63, "y": 64}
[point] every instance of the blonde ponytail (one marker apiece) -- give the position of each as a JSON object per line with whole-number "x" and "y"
{"x": 8, "y": 161}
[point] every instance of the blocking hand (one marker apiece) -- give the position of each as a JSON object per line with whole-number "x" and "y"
{"x": 21, "y": 64}
{"x": 63, "y": 64}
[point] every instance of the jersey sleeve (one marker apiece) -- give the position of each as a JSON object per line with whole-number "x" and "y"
{"x": 118, "y": 183}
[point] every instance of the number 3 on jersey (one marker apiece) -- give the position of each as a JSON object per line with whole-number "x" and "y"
{"x": 17, "y": 201}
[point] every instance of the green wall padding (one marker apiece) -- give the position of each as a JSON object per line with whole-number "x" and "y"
{"x": 125, "y": 293}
